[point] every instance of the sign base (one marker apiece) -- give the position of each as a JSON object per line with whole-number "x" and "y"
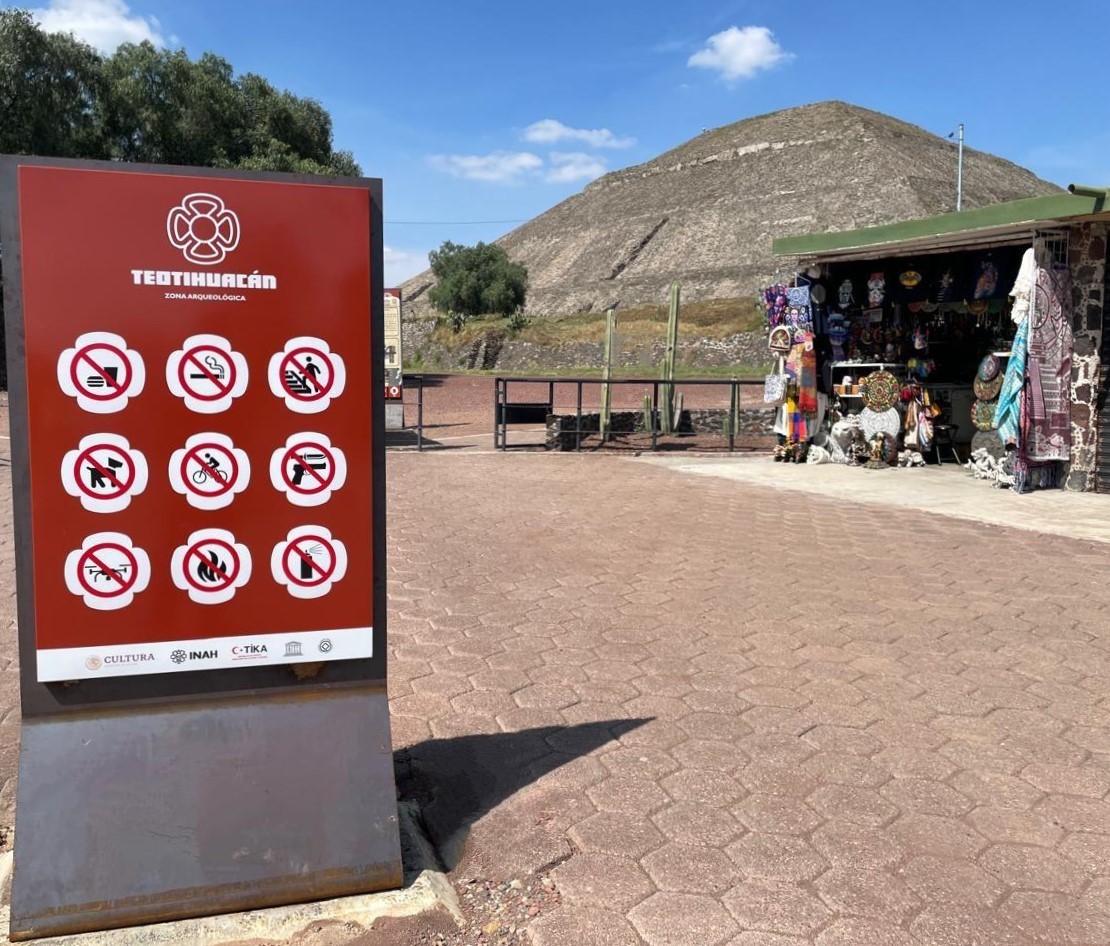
{"x": 394, "y": 415}
{"x": 160, "y": 813}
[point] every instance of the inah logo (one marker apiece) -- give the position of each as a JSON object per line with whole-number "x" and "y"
{"x": 178, "y": 656}
{"x": 203, "y": 229}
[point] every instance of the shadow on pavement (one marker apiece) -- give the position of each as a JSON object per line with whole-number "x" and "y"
{"x": 458, "y": 780}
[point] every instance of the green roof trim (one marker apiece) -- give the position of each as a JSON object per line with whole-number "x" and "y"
{"x": 1012, "y": 214}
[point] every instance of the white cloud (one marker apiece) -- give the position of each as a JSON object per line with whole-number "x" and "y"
{"x": 549, "y": 130}
{"x": 499, "y": 167}
{"x": 104, "y": 24}
{"x": 402, "y": 265}
{"x": 567, "y": 167}
{"x": 739, "y": 53}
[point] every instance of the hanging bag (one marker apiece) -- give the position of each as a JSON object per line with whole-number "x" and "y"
{"x": 774, "y": 385}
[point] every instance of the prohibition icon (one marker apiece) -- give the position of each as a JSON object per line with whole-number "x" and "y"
{"x": 307, "y": 374}
{"x": 210, "y": 566}
{"x": 308, "y": 469}
{"x": 101, "y": 372}
{"x": 308, "y": 562}
{"x": 104, "y": 472}
{"x": 209, "y": 471}
{"x": 207, "y": 374}
{"x": 107, "y": 571}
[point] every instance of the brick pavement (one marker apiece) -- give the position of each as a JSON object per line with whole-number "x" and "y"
{"x": 864, "y": 725}
{"x": 720, "y": 715}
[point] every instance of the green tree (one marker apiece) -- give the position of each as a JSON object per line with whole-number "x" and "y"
{"x": 60, "y": 97}
{"x": 476, "y": 280}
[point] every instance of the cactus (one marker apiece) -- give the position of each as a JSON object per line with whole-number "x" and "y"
{"x": 670, "y": 407}
{"x": 649, "y": 418}
{"x": 607, "y": 373}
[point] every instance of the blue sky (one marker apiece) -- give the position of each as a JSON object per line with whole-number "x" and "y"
{"x": 481, "y": 113}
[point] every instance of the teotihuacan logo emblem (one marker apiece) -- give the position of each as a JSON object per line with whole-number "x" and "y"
{"x": 203, "y": 229}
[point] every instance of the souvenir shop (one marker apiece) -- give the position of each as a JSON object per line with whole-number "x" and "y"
{"x": 941, "y": 350}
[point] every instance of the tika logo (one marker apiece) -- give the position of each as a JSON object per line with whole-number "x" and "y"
{"x": 203, "y": 229}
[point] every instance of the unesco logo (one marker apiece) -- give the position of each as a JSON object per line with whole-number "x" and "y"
{"x": 178, "y": 656}
{"x": 203, "y": 229}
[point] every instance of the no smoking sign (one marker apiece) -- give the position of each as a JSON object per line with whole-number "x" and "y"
{"x": 209, "y": 471}
{"x": 207, "y": 374}
{"x": 308, "y": 469}
{"x": 308, "y": 561}
{"x": 104, "y": 472}
{"x": 210, "y": 566}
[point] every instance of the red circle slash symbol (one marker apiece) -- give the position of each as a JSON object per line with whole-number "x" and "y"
{"x": 200, "y": 370}
{"x": 118, "y": 579}
{"x": 302, "y": 381}
{"x": 104, "y": 472}
{"x": 212, "y": 572}
{"x": 303, "y": 552}
{"x": 207, "y": 473}
{"x": 102, "y": 375}
{"x": 313, "y": 468}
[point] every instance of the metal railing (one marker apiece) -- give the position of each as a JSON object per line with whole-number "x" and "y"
{"x": 507, "y": 413}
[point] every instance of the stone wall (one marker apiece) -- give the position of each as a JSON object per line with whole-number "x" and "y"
{"x": 1087, "y": 262}
{"x": 495, "y": 350}
{"x": 751, "y": 422}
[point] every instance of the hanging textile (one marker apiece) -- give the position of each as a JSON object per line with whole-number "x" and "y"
{"x": 1049, "y": 369}
{"x": 1022, "y": 293}
{"x": 797, "y": 429}
{"x": 802, "y": 365}
{"x": 1007, "y": 416}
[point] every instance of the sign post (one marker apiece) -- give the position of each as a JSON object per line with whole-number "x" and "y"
{"x": 391, "y": 346}
{"x": 196, "y": 374}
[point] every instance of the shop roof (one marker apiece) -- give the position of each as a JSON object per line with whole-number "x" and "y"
{"x": 997, "y": 223}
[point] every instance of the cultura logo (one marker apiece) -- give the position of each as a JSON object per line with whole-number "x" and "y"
{"x": 93, "y": 662}
{"x": 203, "y": 229}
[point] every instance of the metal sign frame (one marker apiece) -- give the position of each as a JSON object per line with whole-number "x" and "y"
{"x": 285, "y": 711}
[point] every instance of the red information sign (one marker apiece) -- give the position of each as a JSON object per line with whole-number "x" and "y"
{"x": 216, "y": 327}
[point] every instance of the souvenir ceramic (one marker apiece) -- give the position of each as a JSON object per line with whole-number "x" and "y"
{"x": 879, "y": 422}
{"x": 989, "y": 368}
{"x": 880, "y": 390}
{"x": 987, "y": 390}
{"x": 982, "y": 414}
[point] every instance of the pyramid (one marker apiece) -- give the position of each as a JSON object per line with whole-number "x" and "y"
{"x": 704, "y": 214}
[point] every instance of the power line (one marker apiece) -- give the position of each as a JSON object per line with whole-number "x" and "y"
{"x": 446, "y": 223}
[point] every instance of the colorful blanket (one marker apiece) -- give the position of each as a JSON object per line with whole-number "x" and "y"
{"x": 1049, "y": 369}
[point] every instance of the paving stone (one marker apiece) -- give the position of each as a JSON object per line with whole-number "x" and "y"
{"x": 860, "y": 932}
{"x": 625, "y": 793}
{"x": 870, "y": 893}
{"x": 776, "y": 857}
{"x": 710, "y": 754}
{"x": 1033, "y": 868}
{"x": 857, "y": 805}
{"x": 844, "y": 844}
{"x": 776, "y": 907}
{"x": 1055, "y": 918}
{"x": 1014, "y": 826}
{"x": 589, "y": 879}
{"x": 583, "y": 926}
{"x": 704, "y": 786}
{"x": 681, "y": 919}
{"x": 952, "y": 925}
{"x": 944, "y": 880}
{"x": 926, "y": 797}
{"x": 776, "y": 814}
{"x": 1067, "y": 779}
{"x": 690, "y": 868}
{"x": 698, "y": 824}
{"x": 621, "y": 833}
